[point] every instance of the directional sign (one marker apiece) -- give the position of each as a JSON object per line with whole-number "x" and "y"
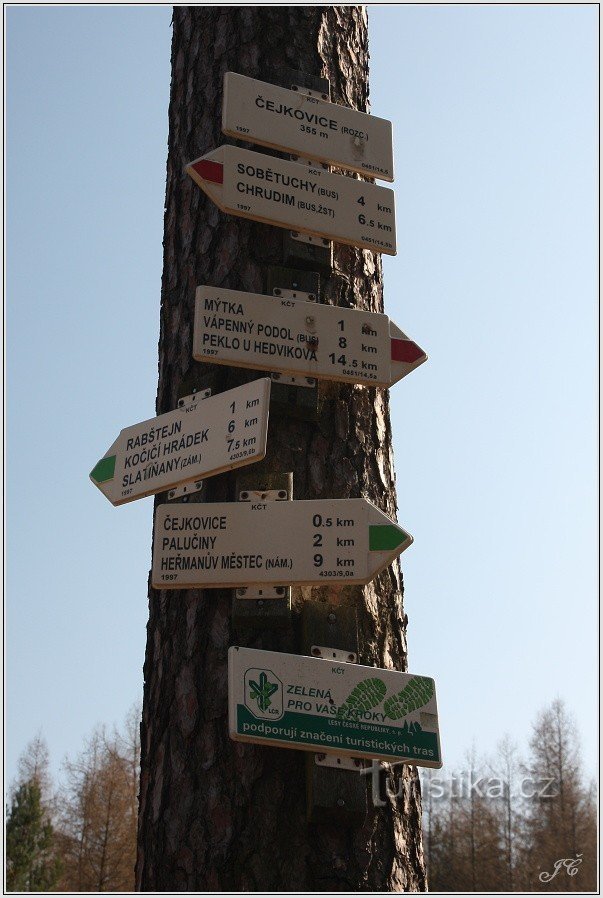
{"x": 294, "y": 196}
{"x": 299, "y": 702}
{"x": 315, "y": 541}
{"x": 250, "y": 330}
{"x": 291, "y": 121}
{"x": 199, "y": 439}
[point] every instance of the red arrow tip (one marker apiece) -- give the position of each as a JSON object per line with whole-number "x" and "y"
{"x": 406, "y": 351}
{"x": 209, "y": 171}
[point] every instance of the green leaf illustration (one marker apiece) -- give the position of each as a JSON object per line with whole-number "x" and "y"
{"x": 363, "y": 697}
{"x": 262, "y": 691}
{"x": 414, "y": 695}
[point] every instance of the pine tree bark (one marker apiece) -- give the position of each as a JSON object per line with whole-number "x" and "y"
{"x": 215, "y": 815}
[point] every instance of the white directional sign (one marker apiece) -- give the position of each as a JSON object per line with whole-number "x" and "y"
{"x": 201, "y": 438}
{"x": 301, "y": 338}
{"x": 298, "y": 197}
{"x": 314, "y": 129}
{"x": 332, "y": 707}
{"x": 315, "y": 541}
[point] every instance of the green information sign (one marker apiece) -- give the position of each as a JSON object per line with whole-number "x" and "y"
{"x": 300, "y": 702}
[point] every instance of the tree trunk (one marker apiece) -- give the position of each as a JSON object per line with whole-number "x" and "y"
{"x": 215, "y": 815}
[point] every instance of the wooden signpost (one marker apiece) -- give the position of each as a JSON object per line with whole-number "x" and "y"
{"x": 298, "y": 197}
{"x": 333, "y": 707}
{"x": 251, "y": 330}
{"x": 292, "y": 121}
{"x": 197, "y": 440}
{"x": 308, "y": 542}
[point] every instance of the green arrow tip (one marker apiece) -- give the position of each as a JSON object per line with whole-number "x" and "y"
{"x": 383, "y": 537}
{"x": 104, "y": 470}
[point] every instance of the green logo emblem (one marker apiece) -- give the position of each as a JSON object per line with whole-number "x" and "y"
{"x": 262, "y": 691}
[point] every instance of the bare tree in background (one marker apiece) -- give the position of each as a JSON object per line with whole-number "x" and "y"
{"x": 98, "y": 812}
{"x": 561, "y": 816}
{"x": 126, "y": 744}
{"x": 507, "y": 768}
{"x": 215, "y": 815}
{"x": 34, "y": 764}
{"x": 505, "y": 824}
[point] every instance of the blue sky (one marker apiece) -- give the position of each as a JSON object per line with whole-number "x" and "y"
{"x": 495, "y": 438}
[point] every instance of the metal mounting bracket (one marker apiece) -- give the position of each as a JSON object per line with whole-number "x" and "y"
{"x": 185, "y": 490}
{"x": 279, "y": 278}
{"x": 267, "y": 606}
{"x": 195, "y": 396}
{"x": 264, "y": 495}
{"x": 262, "y": 594}
{"x": 338, "y": 763}
{"x": 308, "y": 238}
{"x": 291, "y": 381}
{"x": 285, "y": 399}
{"x": 296, "y": 235}
{"x": 317, "y": 94}
{"x": 312, "y": 162}
{"x": 283, "y": 293}
{"x": 321, "y": 651}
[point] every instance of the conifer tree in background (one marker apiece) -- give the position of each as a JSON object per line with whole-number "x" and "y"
{"x": 215, "y": 815}
{"x": 31, "y": 861}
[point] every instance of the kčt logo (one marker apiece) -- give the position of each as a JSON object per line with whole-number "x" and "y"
{"x": 264, "y": 694}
